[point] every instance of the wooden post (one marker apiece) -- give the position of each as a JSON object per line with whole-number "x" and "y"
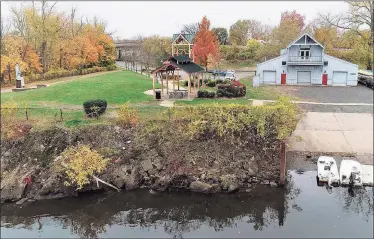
{"x": 282, "y": 164}
{"x": 167, "y": 82}
{"x": 189, "y": 84}
{"x": 154, "y": 90}
{"x": 203, "y": 82}
{"x": 173, "y": 81}
{"x": 194, "y": 85}
{"x": 162, "y": 85}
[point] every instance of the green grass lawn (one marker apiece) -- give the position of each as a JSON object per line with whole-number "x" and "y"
{"x": 261, "y": 93}
{"x": 115, "y": 87}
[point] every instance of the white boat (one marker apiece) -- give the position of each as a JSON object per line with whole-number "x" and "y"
{"x": 327, "y": 171}
{"x": 350, "y": 173}
{"x": 367, "y": 175}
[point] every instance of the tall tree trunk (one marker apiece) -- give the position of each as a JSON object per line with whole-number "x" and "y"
{"x": 44, "y": 44}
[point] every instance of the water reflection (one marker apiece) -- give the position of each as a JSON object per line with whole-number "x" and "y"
{"x": 179, "y": 215}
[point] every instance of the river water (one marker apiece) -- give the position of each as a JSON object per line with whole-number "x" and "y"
{"x": 300, "y": 210}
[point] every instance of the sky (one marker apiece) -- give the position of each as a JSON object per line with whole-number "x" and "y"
{"x": 164, "y": 18}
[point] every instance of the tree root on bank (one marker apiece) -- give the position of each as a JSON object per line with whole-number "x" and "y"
{"x": 102, "y": 181}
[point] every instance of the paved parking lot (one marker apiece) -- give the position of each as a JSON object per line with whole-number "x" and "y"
{"x": 332, "y": 94}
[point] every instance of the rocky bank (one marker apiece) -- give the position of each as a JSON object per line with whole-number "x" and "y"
{"x": 205, "y": 166}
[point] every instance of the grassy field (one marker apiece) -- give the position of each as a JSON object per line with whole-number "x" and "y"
{"x": 115, "y": 87}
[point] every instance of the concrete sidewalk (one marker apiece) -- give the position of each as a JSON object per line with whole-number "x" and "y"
{"x": 335, "y": 133}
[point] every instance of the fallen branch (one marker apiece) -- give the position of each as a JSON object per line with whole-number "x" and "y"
{"x": 108, "y": 184}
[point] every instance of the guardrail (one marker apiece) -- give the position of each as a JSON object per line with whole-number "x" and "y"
{"x": 305, "y": 59}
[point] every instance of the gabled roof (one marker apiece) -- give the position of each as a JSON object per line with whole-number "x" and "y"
{"x": 306, "y": 35}
{"x": 188, "y": 37}
{"x": 181, "y": 58}
{"x": 182, "y": 62}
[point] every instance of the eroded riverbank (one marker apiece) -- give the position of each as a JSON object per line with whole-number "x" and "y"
{"x": 301, "y": 209}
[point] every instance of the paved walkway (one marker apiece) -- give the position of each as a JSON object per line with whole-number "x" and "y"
{"x": 334, "y": 133}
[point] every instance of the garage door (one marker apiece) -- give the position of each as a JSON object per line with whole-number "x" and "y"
{"x": 339, "y": 78}
{"x": 269, "y": 77}
{"x": 304, "y": 77}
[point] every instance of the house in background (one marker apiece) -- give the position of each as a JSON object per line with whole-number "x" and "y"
{"x": 304, "y": 62}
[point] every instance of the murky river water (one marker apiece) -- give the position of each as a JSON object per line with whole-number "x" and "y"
{"x": 301, "y": 210}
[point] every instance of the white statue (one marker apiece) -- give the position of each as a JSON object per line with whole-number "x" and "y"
{"x": 19, "y": 76}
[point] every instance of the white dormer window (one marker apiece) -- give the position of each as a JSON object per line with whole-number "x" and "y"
{"x": 304, "y": 54}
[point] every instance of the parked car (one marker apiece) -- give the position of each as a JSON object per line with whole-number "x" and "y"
{"x": 366, "y": 80}
{"x": 231, "y": 71}
{"x": 230, "y": 76}
{"x": 218, "y": 73}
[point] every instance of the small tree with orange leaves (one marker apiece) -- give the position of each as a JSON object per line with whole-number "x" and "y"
{"x": 206, "y": 45}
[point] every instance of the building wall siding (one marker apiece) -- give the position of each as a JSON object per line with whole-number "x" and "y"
{"x": 334, "y": 64}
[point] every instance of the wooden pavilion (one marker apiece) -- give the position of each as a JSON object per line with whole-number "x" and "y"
{"x": 177, "y": 63}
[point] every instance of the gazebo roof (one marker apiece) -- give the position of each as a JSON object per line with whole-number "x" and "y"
{"x": 181, "y": 62}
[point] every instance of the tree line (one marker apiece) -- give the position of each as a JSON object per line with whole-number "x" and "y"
{"x": 42, "y": 40}
{"x": 347, "y": 35}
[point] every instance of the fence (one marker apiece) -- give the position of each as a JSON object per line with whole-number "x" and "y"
{"x": 77, "y": 116}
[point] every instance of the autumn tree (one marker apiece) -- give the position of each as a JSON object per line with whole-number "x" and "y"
{"x": 206, "y": 44}
{"x": 293, "y": 17}
{"x": 221, "y": 34}
{"x": 238, "y": 33}
{"x": 359, "y": 19}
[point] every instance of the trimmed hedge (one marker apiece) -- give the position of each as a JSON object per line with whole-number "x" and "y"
{"x": 67, "y": 73}
{"x": 231, "y": 90}
{"x": 206, "y": 94}
{"x": 94, "y": 108}
{"x": 211, "y": 83}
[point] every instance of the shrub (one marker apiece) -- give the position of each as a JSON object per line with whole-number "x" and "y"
{"x": 219, "y": 81}
{"x": 211, "y": 83}
{"x": 227, "y": 81}
{"x": 230, "y": 90}
{"x": 81, "y": 163}
{"x": 233, "y": 122}
{"x": 94, "y": 108}
{"x": 11, "y": 127}
{"x": 127, "y": 116}
{"x": 111, "y": 67}
{"x": 206, "y": 94}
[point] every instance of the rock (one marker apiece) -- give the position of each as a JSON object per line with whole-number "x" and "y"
{"x": 7, "y": 154}
{"x": 21, "y": 201}
{"x": 266, "y": 182}
{"x": 12, "y": 192}
{"x": 248, "y": 190}
{"x": 133, "y": 180}
{"x": 42, "y": 147}
{"x": 57, "y": 158}
{"x": 201, "y": 187}
{"x": 120, "y": 182}
{"x": 233, "y": 188}
{"x": 273, "y": 184}
{"x": 162, "y": 183}
{"x": 146, "y": 165}
{"x": 157, "y": 163}
{"x": 254, "y": 180}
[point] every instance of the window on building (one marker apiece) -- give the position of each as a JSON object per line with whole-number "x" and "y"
{"x": 304, "y": 53}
